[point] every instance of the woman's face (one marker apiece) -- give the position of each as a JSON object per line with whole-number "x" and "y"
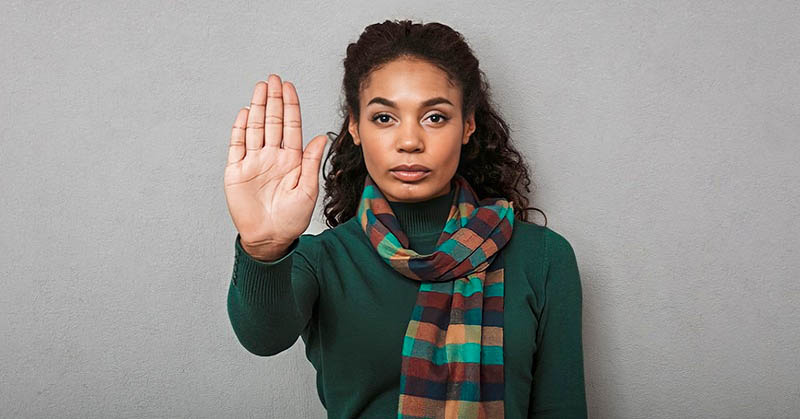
{"x": 410, "y": 114}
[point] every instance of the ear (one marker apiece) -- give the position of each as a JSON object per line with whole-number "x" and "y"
{"x": 469, "y": 127}
{"x": 352, "y": 127}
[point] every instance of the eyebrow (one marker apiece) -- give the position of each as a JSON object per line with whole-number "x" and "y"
{"x": 430, "y": 102}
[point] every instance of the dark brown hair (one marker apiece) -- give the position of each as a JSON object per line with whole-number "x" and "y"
{"x": 489, "y": 161}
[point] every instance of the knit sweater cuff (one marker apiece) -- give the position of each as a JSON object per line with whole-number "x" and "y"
{"x": 259, "y": 282}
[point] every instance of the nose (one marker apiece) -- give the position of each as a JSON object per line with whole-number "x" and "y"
{"x": 410, "y": 138}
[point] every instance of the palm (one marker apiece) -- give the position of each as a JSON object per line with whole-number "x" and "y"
{"x": 271, "y": 190}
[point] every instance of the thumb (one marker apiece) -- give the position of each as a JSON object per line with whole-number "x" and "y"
{"x": 312, "y": 156}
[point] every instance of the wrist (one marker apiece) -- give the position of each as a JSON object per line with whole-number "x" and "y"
{"x": 266, "y": 252}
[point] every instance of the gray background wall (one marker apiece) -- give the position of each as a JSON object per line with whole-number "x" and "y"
{"x": 663, "y": 138}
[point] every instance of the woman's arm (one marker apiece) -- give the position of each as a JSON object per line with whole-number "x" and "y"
{"x": 270, "y": 303}
{"x": 558, "y": 381}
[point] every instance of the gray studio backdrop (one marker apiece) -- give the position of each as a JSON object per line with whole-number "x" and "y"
{"x": 663, "y": 139}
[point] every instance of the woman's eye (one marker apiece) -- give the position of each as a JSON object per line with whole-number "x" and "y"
{"x": 440, "y": 118}
{"x": 384, "y": 118}
{"x": 381, "y": 115}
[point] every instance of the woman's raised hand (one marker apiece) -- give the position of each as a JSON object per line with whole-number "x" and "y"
{"x": 271, "y": 184}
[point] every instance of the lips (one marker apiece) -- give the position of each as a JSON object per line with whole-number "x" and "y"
{"x": 411, "y": 168}
{"x": 410, "y": 175}
{"x": 410, "y": 172}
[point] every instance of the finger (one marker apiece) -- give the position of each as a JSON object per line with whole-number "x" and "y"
{"x": 254, "y": 133}
{"x": 273, "y": 131}
{"x": 236, "y": 150}
{"x": 309, "y": 176}
{"x": 292, "y": 125}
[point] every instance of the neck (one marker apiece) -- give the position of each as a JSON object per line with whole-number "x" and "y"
{"x": 424, "y": 217}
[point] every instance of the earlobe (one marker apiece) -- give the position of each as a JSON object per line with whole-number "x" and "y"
{"x": 471, "y": 124}
{"x": 352, "y": 127}
{"x": 470, "y": 128}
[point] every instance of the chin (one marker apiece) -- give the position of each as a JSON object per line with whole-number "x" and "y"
{"x": 411, "y": 192}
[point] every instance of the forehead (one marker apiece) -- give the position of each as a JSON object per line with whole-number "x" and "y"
{"x": 409, "y": 80}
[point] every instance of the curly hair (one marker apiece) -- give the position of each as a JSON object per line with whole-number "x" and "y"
{"x": 488, "y": 161}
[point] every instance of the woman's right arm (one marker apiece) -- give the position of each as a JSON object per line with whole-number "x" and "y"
{"x": 271, "y": 188}
{"x": 271, "y": 303}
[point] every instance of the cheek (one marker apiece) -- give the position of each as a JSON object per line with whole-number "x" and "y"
{"x": 377, "y": 149}
{"x": 450, "y": 155}
{"x": 375, "y": 158}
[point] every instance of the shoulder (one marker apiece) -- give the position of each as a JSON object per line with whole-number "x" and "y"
{"x": 540, "y": 244}
{"x": 557, "y": 247}
{"x": 560, "y": 268}
{"x": 310, "y": 244}
{"x": 541, "y": 238}
{"x": 343, "y": 233}
{"x": 330, "y": 237}
{"x": 539, "y": 232}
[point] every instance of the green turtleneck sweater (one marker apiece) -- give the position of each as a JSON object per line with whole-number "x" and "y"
{"x": 352, "y": 309}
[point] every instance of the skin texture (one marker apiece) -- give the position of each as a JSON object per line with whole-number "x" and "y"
{"x": 271, "y": 183}
{"x": 411, "y": 132}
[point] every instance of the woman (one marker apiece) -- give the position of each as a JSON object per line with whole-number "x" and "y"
{"x": 427, "y": 297}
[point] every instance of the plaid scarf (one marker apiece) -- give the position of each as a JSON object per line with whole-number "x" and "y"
{"x": 452, "y": 358}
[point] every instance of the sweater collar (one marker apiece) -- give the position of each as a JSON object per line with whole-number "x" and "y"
{"x": 424, "y": 217}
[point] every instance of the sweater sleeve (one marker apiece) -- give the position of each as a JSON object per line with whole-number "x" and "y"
{"x": 270, "y": 303}
{"x": 558, "y": 380}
